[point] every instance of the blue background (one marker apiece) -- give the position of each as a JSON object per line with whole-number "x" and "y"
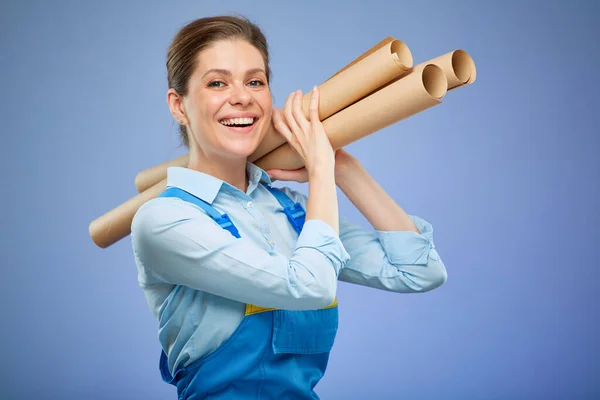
{"x": 507, "y": 170}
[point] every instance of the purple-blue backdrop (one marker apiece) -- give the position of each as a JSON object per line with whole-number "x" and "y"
{"x": 507, "y": 170}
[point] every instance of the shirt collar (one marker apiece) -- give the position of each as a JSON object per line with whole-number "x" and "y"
{"x": 207, "y": 187}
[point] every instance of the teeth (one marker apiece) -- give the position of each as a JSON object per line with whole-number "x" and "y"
{"x": 237, "y": 121}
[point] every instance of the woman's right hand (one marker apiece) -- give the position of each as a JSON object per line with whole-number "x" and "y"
{"x": 306, "y": 136}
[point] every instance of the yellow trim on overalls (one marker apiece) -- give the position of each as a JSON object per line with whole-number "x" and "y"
{"x": 252, "y": 309}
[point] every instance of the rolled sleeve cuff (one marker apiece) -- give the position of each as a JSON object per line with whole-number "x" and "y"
{"x": 408, "y": 247}
{"x": 319, "y": 235}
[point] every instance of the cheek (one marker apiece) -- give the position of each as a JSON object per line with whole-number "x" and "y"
{"x": 212, "y": 105}
{"x": 265, "y": 100}
{"x": 205, "y": 107}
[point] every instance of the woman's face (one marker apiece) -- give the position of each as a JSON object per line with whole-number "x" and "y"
{"x": 228, "y": 106}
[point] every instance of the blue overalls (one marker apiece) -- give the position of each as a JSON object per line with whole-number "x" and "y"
{"x": 273, "y": 354}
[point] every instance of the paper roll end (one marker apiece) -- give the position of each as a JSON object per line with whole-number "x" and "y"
{"x": 140, "y": 180}
{"x": 434, "y": 81}
{"x": 463, "y": 66}
{"x": 95, "y": 231}
{"x": 402, "y": 53}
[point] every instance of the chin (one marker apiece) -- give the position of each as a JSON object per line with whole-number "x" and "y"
{"x": 242, "y": 144}
{"x": 241, "y": 148}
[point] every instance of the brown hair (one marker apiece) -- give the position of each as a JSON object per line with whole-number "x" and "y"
{"x": 199, "y": 34}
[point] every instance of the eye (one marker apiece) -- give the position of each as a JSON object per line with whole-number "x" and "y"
{"x": 256, "y": 83}
{"x": 216, "y": 84}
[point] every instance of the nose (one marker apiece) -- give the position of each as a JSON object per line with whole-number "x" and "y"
{"x": 240, "y": 95}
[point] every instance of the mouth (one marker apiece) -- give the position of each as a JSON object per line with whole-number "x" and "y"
{"x": 241, "y": 125}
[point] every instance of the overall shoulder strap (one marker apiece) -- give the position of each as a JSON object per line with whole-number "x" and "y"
{"x": 222, "y": 219}
{"x": 294, "y": 211}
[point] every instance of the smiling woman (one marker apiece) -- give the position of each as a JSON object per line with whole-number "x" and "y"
{"x": 240, "y": 275}
{"x": 218, "y": 72}
{"x": 217, "y": 100}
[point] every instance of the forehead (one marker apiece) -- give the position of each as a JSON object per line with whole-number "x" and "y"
{"x": 233, "y": 55}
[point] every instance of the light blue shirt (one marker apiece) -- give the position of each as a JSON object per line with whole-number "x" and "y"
{"x": 198, "y": 278}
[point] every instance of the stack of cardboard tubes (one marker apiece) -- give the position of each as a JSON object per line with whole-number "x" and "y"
{"x": 377, "y": 89}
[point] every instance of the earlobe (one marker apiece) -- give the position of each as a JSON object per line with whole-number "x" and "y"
{"x": 175, "y": 102}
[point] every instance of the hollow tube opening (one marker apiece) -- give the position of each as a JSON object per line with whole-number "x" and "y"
{"x": 462, "y": 65}
{"x": 402, "y": 52}
{"x": 434, "y": 81}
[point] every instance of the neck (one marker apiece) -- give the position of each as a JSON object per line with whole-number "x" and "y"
{"x": 230, "y": 170}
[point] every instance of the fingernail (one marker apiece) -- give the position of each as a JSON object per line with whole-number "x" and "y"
{"x": 314, "y": 88}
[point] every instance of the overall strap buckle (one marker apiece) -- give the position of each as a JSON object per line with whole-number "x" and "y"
{"x": 222, "y": 219}
{"x": 294, "y": 211}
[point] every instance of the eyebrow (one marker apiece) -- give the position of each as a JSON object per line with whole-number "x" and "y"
{"x": 228, "y": 73}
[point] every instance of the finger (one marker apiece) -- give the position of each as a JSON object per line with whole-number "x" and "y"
{"x": 280, "y": 125}
{"x": 298, "y": 175}
{"x": 298, "y": 114}
{"x": 313, "y": 109}
{"x": 289, "y": 117}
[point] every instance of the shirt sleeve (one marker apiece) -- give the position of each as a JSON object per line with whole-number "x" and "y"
{"x": 396, "y": 261}
{"x": 180, "y": 244}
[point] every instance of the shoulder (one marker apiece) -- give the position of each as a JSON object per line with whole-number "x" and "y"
{"x": 159, "y": 213}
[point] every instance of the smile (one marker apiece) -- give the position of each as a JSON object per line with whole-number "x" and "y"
{"x": 238, "y": 122}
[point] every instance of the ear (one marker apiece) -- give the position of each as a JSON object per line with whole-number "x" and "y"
{"x": 175, "y": 102}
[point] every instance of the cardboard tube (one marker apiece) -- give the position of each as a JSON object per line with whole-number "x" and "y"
{"x": 116, "y": 224}
{"x": 416, "y": 92}
{"x": 272, "y": 140}
{"x": 151, "y": 176}
{"x": 382, "y": 64}
{"x": 379, "y": 45}
{"x": 457, "y": 65}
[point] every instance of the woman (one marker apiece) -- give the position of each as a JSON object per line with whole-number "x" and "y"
{"x": 242, "y": 276}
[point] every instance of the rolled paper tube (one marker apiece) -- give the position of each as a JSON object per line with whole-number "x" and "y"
{"x": 116, "y": 224}
{"x": 458, "y": 66}
{"x": 382, "y": 64}
{"x": 272, "y": 140}
{"x": 416, "y": 92}
{"x": 385, "y": 64}
{"x": 379, "y": 45}
{"x": 150, "y": 176}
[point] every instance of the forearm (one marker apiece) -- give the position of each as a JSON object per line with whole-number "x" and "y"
{"x": 181, "y": 245}
{"x": 371, "y": 200}
{"x": 322, "y": 199}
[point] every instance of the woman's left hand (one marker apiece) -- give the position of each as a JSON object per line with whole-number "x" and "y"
{"x": 342, "y": 160}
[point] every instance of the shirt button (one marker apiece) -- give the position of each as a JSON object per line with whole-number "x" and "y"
{"x": 250, "y": 204}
